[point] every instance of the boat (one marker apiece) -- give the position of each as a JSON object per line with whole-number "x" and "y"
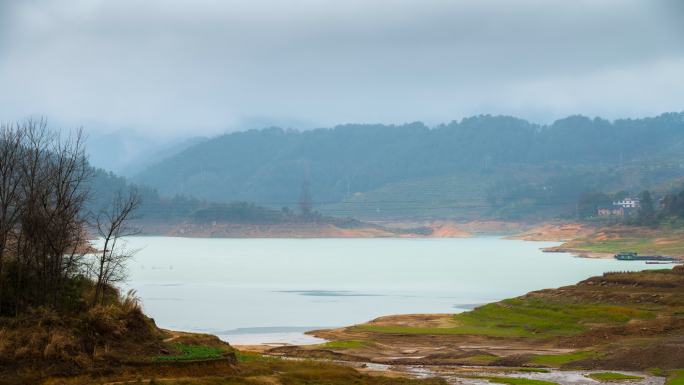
{"x": 632, "y": 256}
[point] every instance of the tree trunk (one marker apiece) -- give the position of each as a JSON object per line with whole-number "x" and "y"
{"x": 100, "y": 273}
{"x": 2, "y": 281}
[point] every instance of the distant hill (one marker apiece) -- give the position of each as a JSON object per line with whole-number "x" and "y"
{"x": 496, "y": 166}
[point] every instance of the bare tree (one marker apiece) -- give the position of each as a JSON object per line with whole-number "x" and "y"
{"x": 68, "y": 173}
{"x": 55, "y": 171}
{"x": 113, "y": 225}
{"x": 32, "y": 259}
{"x": 11, "y": 139}
{"x": 44, "y": 190}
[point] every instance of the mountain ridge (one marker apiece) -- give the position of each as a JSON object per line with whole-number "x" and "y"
{"x": 269, "y": 166}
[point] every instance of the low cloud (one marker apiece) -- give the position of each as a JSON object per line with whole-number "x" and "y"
{"x": 201, "y": 67}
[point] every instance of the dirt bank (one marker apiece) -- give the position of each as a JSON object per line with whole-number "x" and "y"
{"x": 555, "y": 232}
{"x": 295, "y": 230}
{"x": 447, "y": 230}
{"x": 629, "y": 321}
{"x": 582, "y": 253}
{"x": 607, "y": 241}
{"x": 381, "y": 229}
{"x": 438, "y": 229}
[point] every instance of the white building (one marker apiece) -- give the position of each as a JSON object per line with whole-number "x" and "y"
{"x": 628, "y": 203}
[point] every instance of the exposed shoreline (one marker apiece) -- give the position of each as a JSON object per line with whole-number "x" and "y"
{"x": 580, "y": 253}
{"x": 568, "y": 233}
{"x": 420, "y": 350}
{"x": 378, "y": 229}
{"x": 640, "y": 341}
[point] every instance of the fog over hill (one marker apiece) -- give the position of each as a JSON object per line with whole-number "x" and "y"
{"x": 127, "y": 152}
{"x": 486, "y": 165}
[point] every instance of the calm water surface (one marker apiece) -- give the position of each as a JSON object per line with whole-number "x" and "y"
{"x": 271, "y": 290}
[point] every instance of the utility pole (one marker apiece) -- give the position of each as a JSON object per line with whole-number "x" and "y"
{"x": 305, "y": 203}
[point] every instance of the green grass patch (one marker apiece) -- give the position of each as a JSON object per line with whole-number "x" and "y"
{"x": 676, "y": 378}
{"x": 479, "y": 359}
{"x": 192, "y": 352}
{"x": 561, "y": 359}
{"x": 514, "y": 380}
{"x": 351, "y": 344}
{"x": 543, "y": 318}
{"x": 533, "y": 370}
{"x": 642, "y": 244}
{"x": 613, "y": 376}
{"x": 526, "y": 318}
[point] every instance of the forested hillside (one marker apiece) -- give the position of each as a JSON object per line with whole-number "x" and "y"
{"x": 104, "y": 186}
{"x": 486, "y": 165}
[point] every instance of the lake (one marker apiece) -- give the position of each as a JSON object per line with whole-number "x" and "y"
{"x": 272, "y": 290}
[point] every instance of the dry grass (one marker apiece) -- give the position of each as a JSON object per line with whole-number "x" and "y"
{"x": 43, "y": 341}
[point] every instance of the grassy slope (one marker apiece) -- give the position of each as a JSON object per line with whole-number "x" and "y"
{"x": 619, "y": 320}
{"x": 44, "y": 341}
{"x": 662, "y": 241}
{"x": 197, "y": 359}
{"x": 676, "y": 378}
{"x": 528, "y": 318}
{"x": 612, "y": 376}
{"x": 633, "y": 331}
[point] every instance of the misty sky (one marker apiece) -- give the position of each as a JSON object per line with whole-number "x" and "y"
{"x": 203, "y": 67}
